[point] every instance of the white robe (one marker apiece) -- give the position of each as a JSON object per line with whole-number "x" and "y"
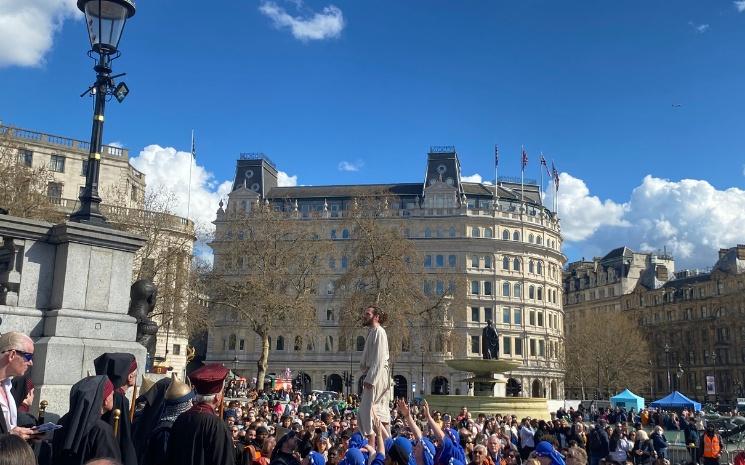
{"x": 376, "y": 370}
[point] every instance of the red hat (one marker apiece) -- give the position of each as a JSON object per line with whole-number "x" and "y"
{"x": 108, "y": 388}
{"x": 133, "y": 365}
{"x": 209, "y": 379}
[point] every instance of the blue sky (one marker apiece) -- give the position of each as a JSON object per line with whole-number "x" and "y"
{"x": 629, "y": 98}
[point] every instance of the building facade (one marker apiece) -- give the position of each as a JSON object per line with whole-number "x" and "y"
{"x": 506, "y": 246}
{"x": 122, "y": 189}
{"x": 696, "y": 325}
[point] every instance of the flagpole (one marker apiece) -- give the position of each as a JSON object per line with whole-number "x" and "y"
{"x": 496, "y": 177}
{"x": 540, "y": 191}
{"x": 522, "y": 176}
{"x": 191, "y": 162}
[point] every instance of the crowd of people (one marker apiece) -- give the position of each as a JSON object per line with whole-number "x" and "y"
{"x": 176, "y": 423}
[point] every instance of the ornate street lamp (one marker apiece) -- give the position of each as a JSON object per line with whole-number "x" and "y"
{"x": 105, "y": 21}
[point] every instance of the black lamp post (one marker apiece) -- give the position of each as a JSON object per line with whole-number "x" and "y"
{"x": 105, "y": 20}
{"x": 667, "y": 363}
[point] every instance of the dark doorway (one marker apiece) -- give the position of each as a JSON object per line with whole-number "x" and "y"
{"x": 400, "y": 387}
{"x": 334, "y": 383}
{"x": 440, "y": 386}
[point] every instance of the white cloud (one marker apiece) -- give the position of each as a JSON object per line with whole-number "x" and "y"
{"x": 27, "y": 29}
{"x": 475, "y": 178}
{"x": 167, "y": 168}
{"x": 690, "y": 218}
{"x": 699, "y": 28}
{"x": 315, "y": 26}
{"x": 116, "y": 143}
{"x": 351, "y": 166}
{"x": 740, "y": 5}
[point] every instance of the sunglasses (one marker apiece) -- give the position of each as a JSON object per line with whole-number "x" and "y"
{"x": 27, "y": 355}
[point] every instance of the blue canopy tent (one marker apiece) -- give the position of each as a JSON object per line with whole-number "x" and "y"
{"x": 676, "y": 400}
{"x": 627, "y": 400}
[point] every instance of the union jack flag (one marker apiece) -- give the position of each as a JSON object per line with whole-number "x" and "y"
{"x": 555, "y": 174}
{"x": 524, "y": 159}
{"x": 496, "y": 155}
{"x": 543, "y": 162}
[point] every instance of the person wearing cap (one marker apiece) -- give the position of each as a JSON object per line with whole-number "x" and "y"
{"x": 176, "y": 400}
{"x": 84, "y": 434}
{"x": 121, "y": 369}
{"x": 147, "y": 418}
{"x": 374, "y": 364}
{"x": 16, "y": 356}
{"x": 547, "y": 455}
{"x": 199, "y": 436}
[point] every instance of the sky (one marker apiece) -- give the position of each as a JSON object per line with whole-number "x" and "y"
{"x": 640, "y": 104}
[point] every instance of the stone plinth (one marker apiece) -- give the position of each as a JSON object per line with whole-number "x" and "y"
{"x": 69, "y": 290}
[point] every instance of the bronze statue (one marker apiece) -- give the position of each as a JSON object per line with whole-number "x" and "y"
{"x": 142, "y": 297}
{"x": 490, "y": 342}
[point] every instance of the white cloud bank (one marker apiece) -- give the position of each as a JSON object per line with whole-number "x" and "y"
{"x": 316, "y": 26}
{"x": 475, "y": 178}
{"x": 168, "y": 169}
{"x": 740, "y": 5}
{"x": 27, "y": 29}
{"x": 691, "y": 218}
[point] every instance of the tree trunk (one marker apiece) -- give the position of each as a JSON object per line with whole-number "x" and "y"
{"x": 262, "y": 363}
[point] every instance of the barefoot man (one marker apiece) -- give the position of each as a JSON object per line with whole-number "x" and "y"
{"x": 375, "y": 369}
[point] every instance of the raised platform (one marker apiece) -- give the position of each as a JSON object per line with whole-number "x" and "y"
{"x": 478, "y": 366}
{"x": 520, "y": 406}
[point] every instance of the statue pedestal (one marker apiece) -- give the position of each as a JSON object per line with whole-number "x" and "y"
{"x": 72, "y": 297}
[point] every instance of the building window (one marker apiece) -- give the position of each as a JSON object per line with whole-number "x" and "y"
{"x": 298, "y": 343}
{"x": 54, "y": 190}
{"x": 533, "y": 348}
{"x": 487, "y": 288}
{"x": 440, "y": 287}
{"x": 475, "y": 287}
{"x": 518, "y": 346}
{"x": 518, "y": 316}
{"x": 427, "y": 233}
{"x": 487, "y": 233}
{"x": 516, "y": 236}
{"x": 428, "y": 261}
{"x": 476, "y": 232}
{"x": 475, "y": 344}
{"x": 242, "y": 344}
{"x": 516, "y": 264}
{"x": 452, "y": 231}
{"x": 518, "y": 291}
{"x": 329, "y": 314}
{"x": 134, "y": 194}
{"x": 57, "y": 163}
{"x": 540, "y": 293}
{"x": 487, "y": 262}
{"x": 440, "y": 261}
{"x": 487, "y": 314}
{"x": 452, "y": 261}
{"x": 344, "y": 263}
{"x": 531, "y": 268}
{"x": 332, "y": 263}
{"x": 506, "y": 346}
{"x": 280, "y": 343}
{"x": 177, "y": 349}
{"x": 474, "y": 262}
{"x": 539, "y": 268}
{"x": 475, "y": 314}
{"x": 333, "y": 234}
{"x": 506, "y": 316}
{"x": 541, "y": 348}
{"x": 531, "y": 318}
{"x": 540, "y": 318}
{"x": 84, "y": 168}
{"x": 329, "y": 346}
{"x": 531, "y": 292}
{"x": 25, "y": 157}
{"x": 530, "y": 238}
{"x": 506, "y": 289}
{"x": 505, "y": 235}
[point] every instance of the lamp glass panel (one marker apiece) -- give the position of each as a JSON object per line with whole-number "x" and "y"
{"x": 105, "y": 20}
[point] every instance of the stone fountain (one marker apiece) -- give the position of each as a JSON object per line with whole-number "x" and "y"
{"x": 489, "y": 386}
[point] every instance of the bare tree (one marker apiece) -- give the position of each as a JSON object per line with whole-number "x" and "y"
{"x": 606, "y": 352}
{"x": 23, "y": 186}
{"x": 386, "y": 269}
{"x": 266, "y": 273}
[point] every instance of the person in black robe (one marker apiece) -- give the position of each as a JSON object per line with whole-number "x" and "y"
{"x": 84, "y": 435}
{"x": 147, "y": 418}
{"x": 178, "y": 399}
{"x": 199, "y": 436}
{"x": 121, "y": 368}
{"x": 23, "y": 393}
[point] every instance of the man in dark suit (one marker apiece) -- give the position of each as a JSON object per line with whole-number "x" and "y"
{"x": 16, "y": 356}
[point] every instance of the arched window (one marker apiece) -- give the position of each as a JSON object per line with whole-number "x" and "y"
{"x": 298, "y": 343}
{"x": 344, "y": 263}
{"x": 329, "y": 314}
{"x": 476, "y": 232}
{"x": 452, "y": 231}
{"x": 506, "y": 263}
{"x": 518, "y": 291}
{"x": 333, "y": 234}
{"x": 329, "y": 346}
{"x": 487, "y": 233}
{"x": 231, "y": 342}
{"x": 531, "y": 267}
{"x": 360, "y": 343}
{"x": 539, "y": 240}
{"x": 506, "y": 289}
{"x": 530, "y": 238}
{"x": 332, "y": 263}
{"x": 505, "y": 235}
{"x": 280, "y": 343}
{"x": 540, "y": 293}
{"x": 345, "y": 234}
{"x": 516, "y": 236}
{"x": 531, "y": 292}
{"x": 311, "y": 345}
{"x": 516, "y": 264}
{"x": 427, "y": 232}
{"x": 539, "y": 268}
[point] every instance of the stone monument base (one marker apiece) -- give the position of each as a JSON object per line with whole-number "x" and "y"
{"x": 519, "y": 406}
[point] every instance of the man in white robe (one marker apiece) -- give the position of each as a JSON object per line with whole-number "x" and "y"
{"x": 376, "y": 388}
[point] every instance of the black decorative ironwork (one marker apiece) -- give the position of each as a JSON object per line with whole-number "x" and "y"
{"x": 441, "y": 149}
{"x": 257, "y": 156}
{"x": 516, "y": 180}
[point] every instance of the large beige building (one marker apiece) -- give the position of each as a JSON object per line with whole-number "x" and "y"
{"x": 122, "y": 189}
{"x": 695, "y": 323}
{"x": 509, "y": 253}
